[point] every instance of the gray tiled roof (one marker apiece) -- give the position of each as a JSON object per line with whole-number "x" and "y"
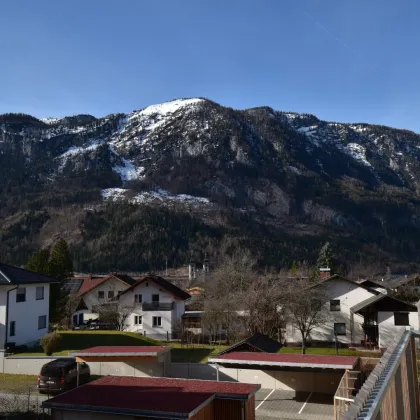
{"x": 16, "y": 275}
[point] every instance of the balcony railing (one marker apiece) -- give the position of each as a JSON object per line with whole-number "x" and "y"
{"x": 157, "y": 306}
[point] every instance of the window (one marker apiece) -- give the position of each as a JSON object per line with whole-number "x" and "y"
{"x": 12, "y": 328}
{"x": 40, "y": 293}
{"x": 401, "y": 318}
{"x": 157, "y": 321}
{"x": 21, "y": 295}
{"x": 101, "y": 294}
{"x": 110, "y": 294}
{"x": 316, "y": 304}
{"x": 42, "y": 322}
{"x": 138, "y": 320}
{"x": 339, "y": 328}
{"x": 155, "y": 298}
{"x": 335, "y": 305}
{"x": 138, "y": 298}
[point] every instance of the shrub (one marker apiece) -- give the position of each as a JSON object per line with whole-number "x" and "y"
{"x": 51, "y": 343}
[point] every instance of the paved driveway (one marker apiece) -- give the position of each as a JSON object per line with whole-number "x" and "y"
{"x": 290, "y": 405}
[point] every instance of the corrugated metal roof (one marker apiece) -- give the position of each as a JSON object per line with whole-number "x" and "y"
{"x": 156, "y": 396}
{"x": 287, "y": 360}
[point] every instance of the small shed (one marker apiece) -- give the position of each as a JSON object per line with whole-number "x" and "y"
{"x": 127, "y": 360}
{"x": 255, "y": 343}
{"x": 155, "y": 398}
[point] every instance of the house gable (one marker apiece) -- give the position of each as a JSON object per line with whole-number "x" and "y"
{"x": 162, "y": 285}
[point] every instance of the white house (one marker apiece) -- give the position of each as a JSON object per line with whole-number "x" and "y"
{"x": 93, "y": 291}
{"x": 158, "y": 306}
{"x": 358, "y": 315}
{"x": 24, "y": 305}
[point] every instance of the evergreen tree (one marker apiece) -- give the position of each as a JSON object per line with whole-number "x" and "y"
{"x": 61, "y": 264}
{"x": 325, "y": 257}
{"x": 293, "y": 269}
{"x": 39, "y": 262}
{"x": 61, "y": 267}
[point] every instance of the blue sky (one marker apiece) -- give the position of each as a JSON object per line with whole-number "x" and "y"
{"x": 342, "y": 60}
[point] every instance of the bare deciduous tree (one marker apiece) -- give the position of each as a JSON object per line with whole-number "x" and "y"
{"x": 262, "y": 301}
{"x": 114, "y": 313}
{"x": 305, "y": 305}
{"x": 223, "y": 294}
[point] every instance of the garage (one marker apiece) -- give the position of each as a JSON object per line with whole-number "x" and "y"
{"x": 293, "y": 386}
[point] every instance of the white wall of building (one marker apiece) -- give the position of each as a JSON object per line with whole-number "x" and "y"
{"x": 3, "y": 303}
{"x": 25, "y": 314}
{"x": 169, "y": 318}
{"x": 388, "y": 331}
{"x": 111, "y": 285}
{"x": 349, "y": 295}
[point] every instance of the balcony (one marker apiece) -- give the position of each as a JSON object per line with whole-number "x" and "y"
{"x": 157, "y": 306}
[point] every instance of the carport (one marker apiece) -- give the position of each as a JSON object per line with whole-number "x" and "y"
{"x": 294, "y": 386}
{"x": 142, "y": 361}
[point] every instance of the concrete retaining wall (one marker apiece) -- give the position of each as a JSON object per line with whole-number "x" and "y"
{"x": 32, "y": 365}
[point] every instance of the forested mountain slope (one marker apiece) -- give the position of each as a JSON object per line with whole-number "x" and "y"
{"x": 190, "y": 176}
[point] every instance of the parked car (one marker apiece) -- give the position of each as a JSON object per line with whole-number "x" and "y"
{"x": 99, "y": 325}
{"x": 61, "y": 375}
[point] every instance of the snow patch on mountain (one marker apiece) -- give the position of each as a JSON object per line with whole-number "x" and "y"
{"x": 309, "y": 131}
{"x": 114, "y": 193}
{"x": 51, "y": 120}
{"x": 160, "y": 195}
{"x": 74, "y": 151}
{"x": 358, "y": 152}
{"x": 127, "y": 171}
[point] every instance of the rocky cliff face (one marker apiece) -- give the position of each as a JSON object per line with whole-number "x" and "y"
{"x": 290, "y": 172}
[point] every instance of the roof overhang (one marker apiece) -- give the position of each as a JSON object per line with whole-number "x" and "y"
{"x": 123, "y": 411}
{"x": 108, "y": 354}
{"x": 281, "y": 364}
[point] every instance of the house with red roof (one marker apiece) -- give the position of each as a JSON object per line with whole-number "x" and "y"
{"x": 117, "y": 397}
{"x": 152, "y": 305}
{"x": 93, "y": 291}
{"x": 158, "y": 307}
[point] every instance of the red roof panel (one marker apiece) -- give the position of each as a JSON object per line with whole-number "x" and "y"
{"x": 121, "y": 350}
{"x": 113, "y": 393}
{"x": 292, "y": 359}
{"x": 90, "y": 283}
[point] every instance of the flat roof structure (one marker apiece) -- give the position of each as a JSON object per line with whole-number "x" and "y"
{"x": 153, "y": 397}
{"x": 120, "y": 353}
{"x": 286, "y": 360}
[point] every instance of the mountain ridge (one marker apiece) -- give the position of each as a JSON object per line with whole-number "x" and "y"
{"x": 290, "y": 172}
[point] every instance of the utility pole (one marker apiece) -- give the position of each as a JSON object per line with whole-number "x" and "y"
{"x": 166, "y": 265}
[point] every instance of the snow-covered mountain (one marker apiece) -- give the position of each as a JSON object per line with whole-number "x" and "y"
{"x": 290, "y": 171}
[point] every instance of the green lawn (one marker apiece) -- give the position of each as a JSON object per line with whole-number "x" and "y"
{"x": 197, "y": 353}
{"x": 328, "y": 351}
{"x": 11, "y": 383}
{"x": 79, "y": 340}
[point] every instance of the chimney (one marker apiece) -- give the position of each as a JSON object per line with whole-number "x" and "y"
{"x": 324, "y": 273}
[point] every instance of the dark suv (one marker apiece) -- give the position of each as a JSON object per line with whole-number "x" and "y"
{"x": 61, "y": 375}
